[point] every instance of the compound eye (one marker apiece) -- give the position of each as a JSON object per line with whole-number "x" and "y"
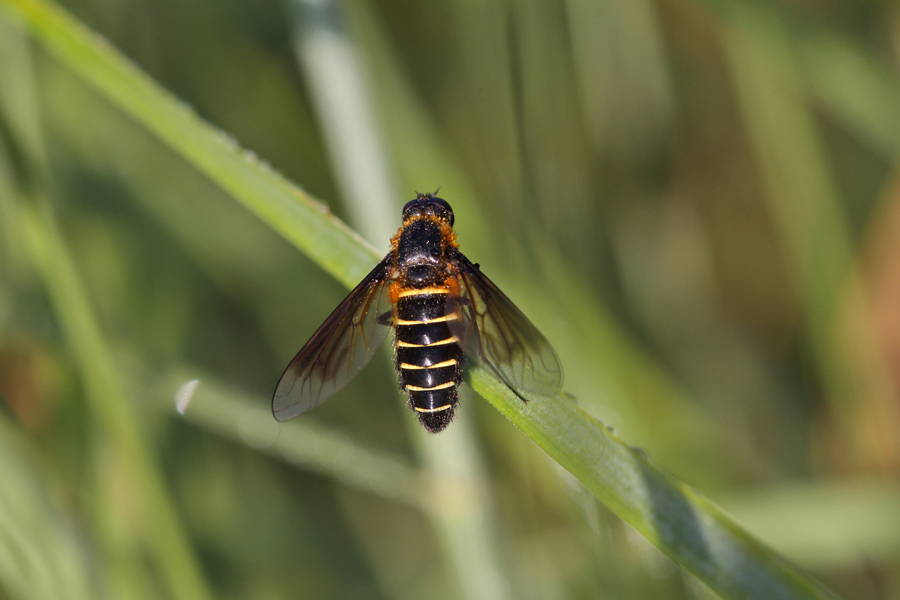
{"x": 411, "y": 209}
{"x": 442, "y": 209}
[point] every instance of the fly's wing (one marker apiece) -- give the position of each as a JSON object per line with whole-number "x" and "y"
{"x": 338, "y": 350}
{"x": 495, "y": 333}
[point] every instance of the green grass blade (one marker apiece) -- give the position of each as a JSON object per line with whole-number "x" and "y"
{"x": 216, "y": 407}
{"x": 673, "y": 516}
{"x": 285, "y": 207}
{"x": 805, "y": 204}
{"x": 676, "y": 518}
{"x": 825, "y": 524}
{"x": 110, "y": 404}
{"x": 855, "y": 88}
{"x": 115, "y": 432}
{"x": 40, "y": 557}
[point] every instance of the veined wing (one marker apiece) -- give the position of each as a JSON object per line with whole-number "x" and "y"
{"x": 494, "y": 332}
{"x": 338, "y": 350}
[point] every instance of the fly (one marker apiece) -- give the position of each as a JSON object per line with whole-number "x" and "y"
{"x": 445, "y": 314}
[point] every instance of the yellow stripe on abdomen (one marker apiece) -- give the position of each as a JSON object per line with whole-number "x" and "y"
{"x": 432, "y": 410}
{"x": 422, "y": 291}
{"x": 443, "y": 386}
{"x": 446, "y": 363}
{"x": 449, "y": 340}
{"x": 448, "y": 317}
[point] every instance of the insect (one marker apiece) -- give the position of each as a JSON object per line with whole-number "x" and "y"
{"x": 445, "y": 314}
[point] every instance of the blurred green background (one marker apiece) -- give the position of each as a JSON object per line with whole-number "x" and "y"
{"x": 695, "y": 201}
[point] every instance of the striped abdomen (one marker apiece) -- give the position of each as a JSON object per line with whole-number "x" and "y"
{"x": 429, "y": 358}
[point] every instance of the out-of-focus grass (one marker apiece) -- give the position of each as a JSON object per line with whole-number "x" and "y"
{"x": 689, "y": 530}
{"x": 669, "y": 170}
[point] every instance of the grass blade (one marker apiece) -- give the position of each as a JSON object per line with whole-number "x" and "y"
{"x": 109, "y": 403}
{"x": 679, "y": 520}
{"x": 281, "y": 204}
